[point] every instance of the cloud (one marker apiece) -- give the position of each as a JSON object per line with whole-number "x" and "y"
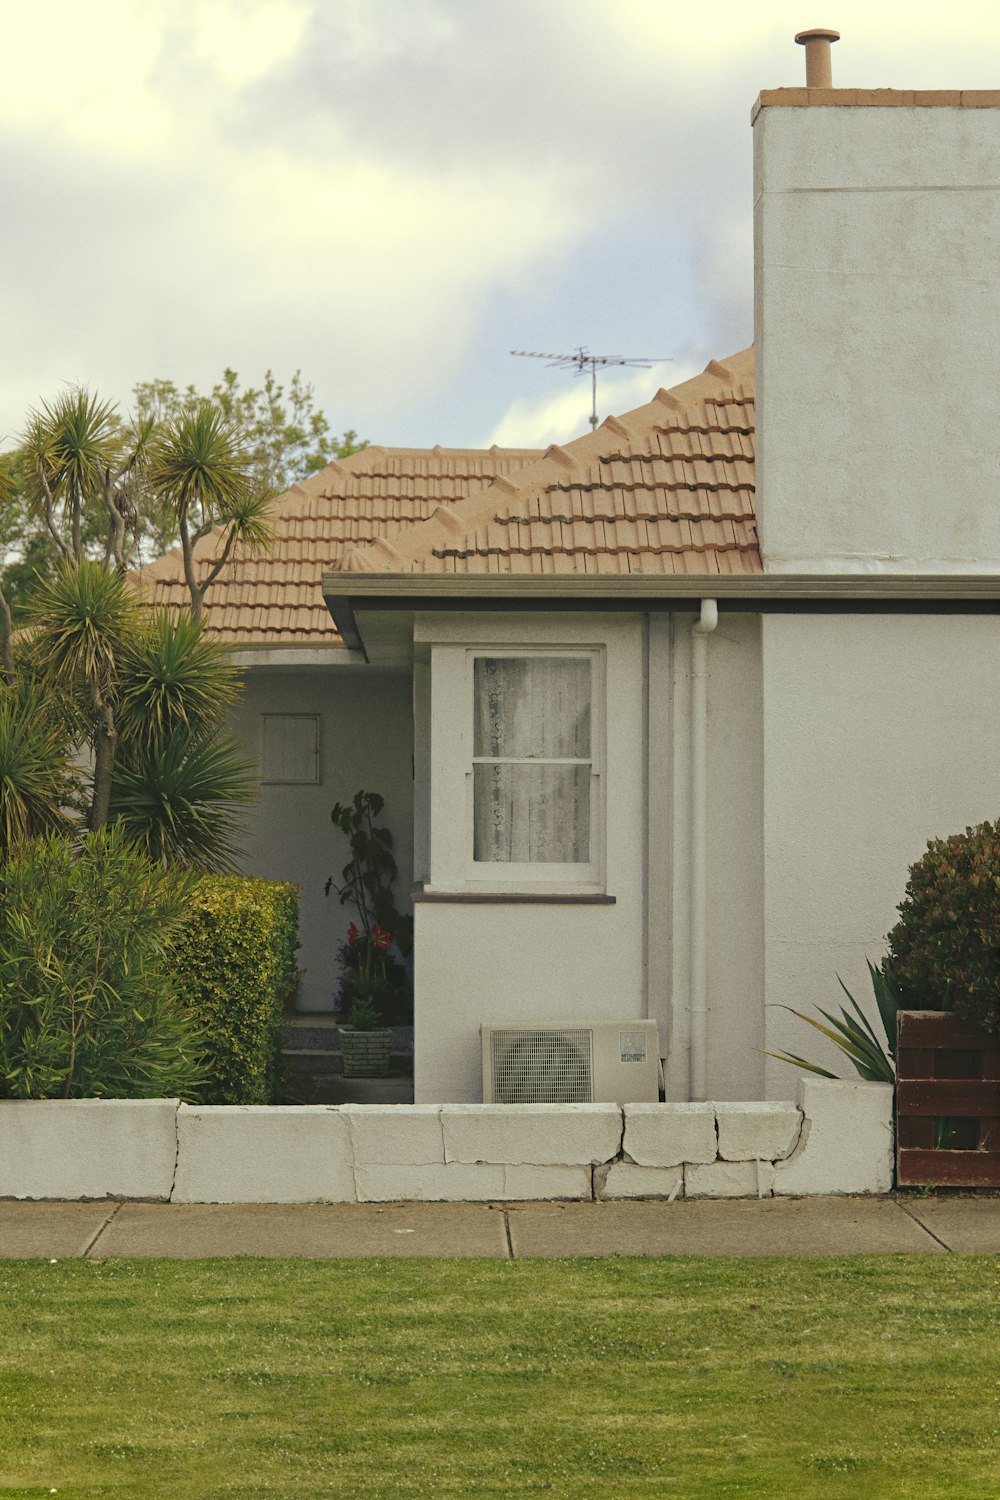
{"x": 534, "y": 423}
{"x": 390, "y": 196}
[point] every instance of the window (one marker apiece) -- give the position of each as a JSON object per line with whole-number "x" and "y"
{"x": 289, "y": 752}
{"x": 534, "y": 770}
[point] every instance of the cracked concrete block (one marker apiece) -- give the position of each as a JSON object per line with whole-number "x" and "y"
{"x": 87, "y": 1148}
{"x": 405, "y": 1135}
{"x": 622, "y": 1179}
{"x": 757, "y": 1131}
{"x": 524, "y": 1183}
{"x": 467, "y": 1182}
{"x": 846, "y": 1144}
{"x": 441, "y": 1182}
{"x": 533, "y": 1134}
{"x": 729, "y": 1179}
{"x": 665, "y": 1135}
{"x": 250, "y": 1153}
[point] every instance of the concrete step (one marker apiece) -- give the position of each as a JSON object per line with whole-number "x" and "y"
{"x": 320, "y": 1033}
{"x": 306, "y": 1086}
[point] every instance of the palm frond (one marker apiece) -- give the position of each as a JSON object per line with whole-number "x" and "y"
{"x": 174, "y": 678}
{"x": 196, "y": 463}
{"x": 179, "y": 798}
{"x": 83, "y": 617}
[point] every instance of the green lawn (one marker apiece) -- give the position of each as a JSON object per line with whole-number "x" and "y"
{"x": 863, "y": 1377}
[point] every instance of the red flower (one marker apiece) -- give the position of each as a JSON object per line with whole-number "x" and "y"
{"x": 353, "y": 935}
{"x": 380, "y": 938}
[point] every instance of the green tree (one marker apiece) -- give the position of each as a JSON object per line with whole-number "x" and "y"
{"x": 200, "y": 470}
{"x": 83, "y": 471}
{"x": 279, "y": 428}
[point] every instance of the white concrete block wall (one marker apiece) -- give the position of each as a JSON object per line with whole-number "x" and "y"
{"x": 846, "y": 1145}
{"x": 537, "y": 1134}
{"x": 757, "y": 1131}
{"x": 665, "y": 1135}
{"x": 235, "y": 1153}
{"x": 838, "y": 1140}
{"x": 87, "y": 1148}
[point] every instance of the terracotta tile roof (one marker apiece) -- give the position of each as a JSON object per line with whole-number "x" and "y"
{"x": 667, "y": 488}
{"x": 277, "y": 599}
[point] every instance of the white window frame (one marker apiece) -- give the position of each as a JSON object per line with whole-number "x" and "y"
{"x": 542, "y": 878}
{"x": 316, "y": 778}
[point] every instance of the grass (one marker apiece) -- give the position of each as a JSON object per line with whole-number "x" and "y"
{"x": 239, "y": 1379}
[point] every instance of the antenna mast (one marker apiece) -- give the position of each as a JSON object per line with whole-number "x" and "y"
{"x": 583, "y": 360}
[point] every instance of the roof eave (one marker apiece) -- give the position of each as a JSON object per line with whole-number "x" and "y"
{"x": 354, "y": 591}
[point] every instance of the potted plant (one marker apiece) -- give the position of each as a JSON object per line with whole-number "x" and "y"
{"x": 374, "y": 994}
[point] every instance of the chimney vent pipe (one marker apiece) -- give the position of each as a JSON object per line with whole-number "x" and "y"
{"x": 819, "y": 74}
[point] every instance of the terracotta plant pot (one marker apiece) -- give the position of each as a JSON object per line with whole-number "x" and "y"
{"x": 367, "y": 1054}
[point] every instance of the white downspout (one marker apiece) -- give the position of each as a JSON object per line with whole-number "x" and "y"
{"x": 697, "y": 1031}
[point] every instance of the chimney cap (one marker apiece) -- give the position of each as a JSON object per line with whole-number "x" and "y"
{"x": 817, "y": 33}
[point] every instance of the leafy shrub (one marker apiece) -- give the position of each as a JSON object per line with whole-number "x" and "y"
{"x": 36, "y": 780}
{"x": 945, "y": 948}
{"x": 87, "y": 1005}
{"x": 234, "y": 966}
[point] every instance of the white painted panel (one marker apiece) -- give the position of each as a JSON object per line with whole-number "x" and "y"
{"x": 877, "y": 305}
{"x": 880, "y": 732}
{"x": 289, "y": 748}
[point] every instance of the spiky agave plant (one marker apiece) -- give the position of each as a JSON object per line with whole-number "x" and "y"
{"x": 871, "y": 1057}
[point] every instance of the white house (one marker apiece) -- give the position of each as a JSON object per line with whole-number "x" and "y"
{"x": 661, "y": 724}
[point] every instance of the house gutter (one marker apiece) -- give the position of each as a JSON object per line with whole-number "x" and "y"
{"x": 789, "y": 593}
{"x": 697, "y": 1006}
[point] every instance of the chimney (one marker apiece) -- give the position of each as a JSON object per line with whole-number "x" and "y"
{"x": 819, "y": 74}
{"x": 877, "y": 326}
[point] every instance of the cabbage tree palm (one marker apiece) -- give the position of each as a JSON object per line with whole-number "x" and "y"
{"x": 83, "y": 621}
{"x": 199, "y": 467}
{"x": 149, "y": 693}
{"x": 179, "y": 780}
{"x": 83, "y": 470}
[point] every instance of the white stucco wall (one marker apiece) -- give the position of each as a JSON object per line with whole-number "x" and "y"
{"x": 880, "y": 732}
{"x": 551, "y": 963}
{"x": 366, "y": 741}
{"x": 877, "y": 305}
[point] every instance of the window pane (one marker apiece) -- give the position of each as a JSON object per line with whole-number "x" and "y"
{"x": 535, "y": 707}
{"x": 531, "y": 814}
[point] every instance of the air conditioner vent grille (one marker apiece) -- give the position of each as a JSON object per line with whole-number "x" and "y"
{"x": 541, "y": 1067}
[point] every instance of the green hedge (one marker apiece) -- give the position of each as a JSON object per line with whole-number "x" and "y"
{"x": 945, "y": 948}
{"x": 234, "y": 967}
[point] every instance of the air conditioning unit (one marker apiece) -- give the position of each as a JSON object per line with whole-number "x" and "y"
{"x": 614, "y": 1062}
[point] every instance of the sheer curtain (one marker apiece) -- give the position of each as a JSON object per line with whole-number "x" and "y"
{"x": 532, "y": 760}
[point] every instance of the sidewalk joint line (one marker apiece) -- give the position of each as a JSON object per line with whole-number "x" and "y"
{"x": 906, "y": 1209}
{"x": 109, "y": 1220}
{"x": 506, "y": 1230}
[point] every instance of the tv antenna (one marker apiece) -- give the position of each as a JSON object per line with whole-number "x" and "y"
{"x": 583, "y": 360}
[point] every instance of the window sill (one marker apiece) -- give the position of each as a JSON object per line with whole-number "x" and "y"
{"x": 480, "y": 897}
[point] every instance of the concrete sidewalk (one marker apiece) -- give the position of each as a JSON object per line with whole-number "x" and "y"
{"x": 768, "y": 1226}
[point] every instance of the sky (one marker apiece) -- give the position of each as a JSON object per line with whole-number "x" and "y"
{"x": 390, "y": 195}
